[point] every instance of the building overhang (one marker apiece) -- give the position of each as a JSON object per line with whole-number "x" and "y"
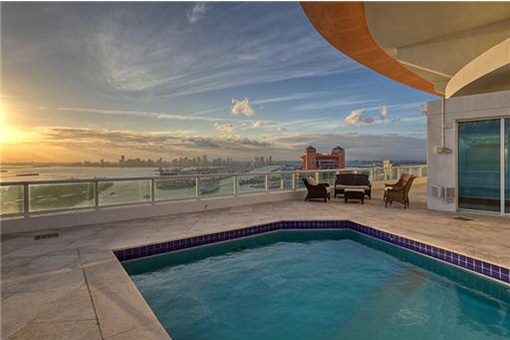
{"x": 443, "y": 48}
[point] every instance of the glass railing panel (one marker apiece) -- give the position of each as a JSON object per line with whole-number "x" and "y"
{"x": 299, "y": 179}
{"x": 174, "y": 189}
{"x": 11, "y": 198}
{"x": 365, "y": 171}
{"x": 424, "y": 171}
{"x": 251, "y": 184}
{"x": 403, "y": 170}
{"x": 395, "y": 174}
{"x": 380, "y": 175}
{"x": 285, "y": 181}
{"x": 327, "y": 177}
{"x": 124, "y": 192}
{"x": 279, "y": 182}
{"x": 416, "y": 171}
{"x": 211, "y": 186}
{"x": 60, "y": 196}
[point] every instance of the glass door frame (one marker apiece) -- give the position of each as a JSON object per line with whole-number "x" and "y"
{"x": 502, "y": 163}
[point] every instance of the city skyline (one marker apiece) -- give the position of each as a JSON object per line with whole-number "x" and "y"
{"x": 92, "y": 81}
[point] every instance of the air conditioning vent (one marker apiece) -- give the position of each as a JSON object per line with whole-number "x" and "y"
{"x": 450, "y": 192}
{"x": 437, "y": 191}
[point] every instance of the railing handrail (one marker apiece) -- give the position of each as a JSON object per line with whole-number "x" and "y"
{"x": 190, "y": 176}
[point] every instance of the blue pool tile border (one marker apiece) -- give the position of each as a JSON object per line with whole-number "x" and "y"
{"x": 487, "y": 269}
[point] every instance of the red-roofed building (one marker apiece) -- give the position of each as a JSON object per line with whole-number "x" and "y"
{"x": 314, "y": 160}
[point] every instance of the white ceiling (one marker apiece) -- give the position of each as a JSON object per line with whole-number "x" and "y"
{"x": 436, "y": 40}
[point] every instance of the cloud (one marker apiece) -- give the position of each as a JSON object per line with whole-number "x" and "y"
{"x": 226, "y": 129}
{"x": 323, "y": 104}
{"x": 143, "y": 114}
{"x": 41, "y": 108}
{"x": 157, "y": 142}
{"x": 247, "y": 57}
{"x": 197, "y": 12}
{"x": 235, "y": 140}
{"x": 384, "y": 112}
{"x": 258, "y": 124}
{"x": 169, "y": 59}
{"x": 356, "y": 117}
{"x": 203, "y": 142}
{"x": 241, "y": 107}
{"x": 287, "y": 146}
{"x": 280, "y": 129}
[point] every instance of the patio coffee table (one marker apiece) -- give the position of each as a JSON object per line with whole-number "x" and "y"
{"x": 354, "y": 194}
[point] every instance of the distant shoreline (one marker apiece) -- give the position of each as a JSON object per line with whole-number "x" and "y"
{"x": 156, "y": 165}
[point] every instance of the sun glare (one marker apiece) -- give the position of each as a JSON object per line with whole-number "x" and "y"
{"x": 9, "y": 135}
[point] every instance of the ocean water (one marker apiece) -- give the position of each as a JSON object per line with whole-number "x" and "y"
{"x": 11, "y": 173}
{"x": 320, "y": 285}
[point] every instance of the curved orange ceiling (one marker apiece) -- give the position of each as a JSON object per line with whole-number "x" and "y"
{"x": 343, "y": 25}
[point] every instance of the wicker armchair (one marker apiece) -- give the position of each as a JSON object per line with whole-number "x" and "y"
{"x": 398, "y": 192}
{"x": 318, "y": 191}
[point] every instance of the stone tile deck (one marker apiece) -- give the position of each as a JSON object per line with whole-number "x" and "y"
{"x": 72, "y": 287}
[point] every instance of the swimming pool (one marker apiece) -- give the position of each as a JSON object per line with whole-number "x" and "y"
{"x": 320, "y": 284}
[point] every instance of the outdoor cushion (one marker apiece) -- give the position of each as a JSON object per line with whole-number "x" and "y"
{"x": 343, "y": 187}
{"x": 312, "y": 181}
{"x": 354, "y": 190}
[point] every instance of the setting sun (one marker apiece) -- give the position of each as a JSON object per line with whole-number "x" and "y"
{"x": 9, "y": 135}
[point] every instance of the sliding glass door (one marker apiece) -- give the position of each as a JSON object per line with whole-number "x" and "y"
{"x": 479, "y": 165}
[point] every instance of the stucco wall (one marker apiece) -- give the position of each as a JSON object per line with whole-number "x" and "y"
{"x": 442, "y": 168}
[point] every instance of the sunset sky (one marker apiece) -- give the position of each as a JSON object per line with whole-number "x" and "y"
{"x": 85, "y": 81}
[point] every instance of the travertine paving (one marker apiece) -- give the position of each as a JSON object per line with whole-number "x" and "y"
{"x": 72, "y": 287}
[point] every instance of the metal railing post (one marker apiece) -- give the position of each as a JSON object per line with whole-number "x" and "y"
{"x": 294, "y": 180}
{"x": 266, "y": 178}
{"x": 96, "y": 195}
{"x": 317, "y": 176}
{"x": 153, "y": 191}
{"x": 236, "y": 188}
{"x": 197, "y": 188}
{"x": 26, "y": 200}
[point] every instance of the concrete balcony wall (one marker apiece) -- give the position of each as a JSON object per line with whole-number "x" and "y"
{"x": 122, "y": 213}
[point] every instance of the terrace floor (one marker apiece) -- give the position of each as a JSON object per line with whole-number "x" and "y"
{"x": 72, "y": 287}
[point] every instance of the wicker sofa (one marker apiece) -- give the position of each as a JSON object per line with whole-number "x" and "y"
{"x": 353, "y": 181}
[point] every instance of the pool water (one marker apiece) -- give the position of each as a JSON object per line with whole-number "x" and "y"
{"x": 318, "y": 285}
